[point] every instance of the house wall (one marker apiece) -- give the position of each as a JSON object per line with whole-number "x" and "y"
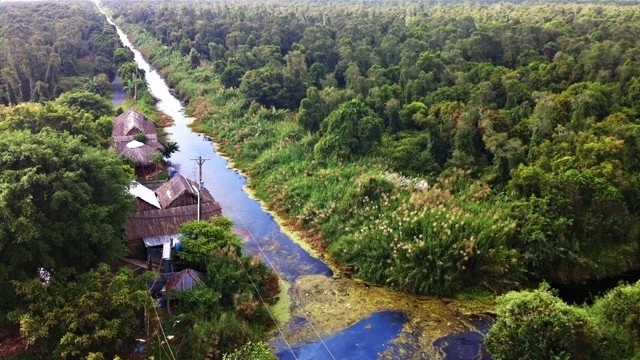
{"x": 136, "y": 248}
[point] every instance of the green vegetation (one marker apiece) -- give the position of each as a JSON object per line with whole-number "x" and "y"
{"x": 63, "y": 208}
{"x": 98, "y": 312}
{"x": 437, "y": 147}
{"x": 537, "y": 325}
{"x": 227, "y": 310}
{"x": 62, "y": 205}
{"x": 54, "y": 47}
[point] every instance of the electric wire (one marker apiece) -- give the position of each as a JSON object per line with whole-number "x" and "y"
{"x": 166, "y": 341}
{"x": 269, "y": 311}
{"x": 292, "y": 296}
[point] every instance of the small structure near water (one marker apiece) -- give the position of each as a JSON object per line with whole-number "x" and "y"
{"x": 136, "y": 138}
{"x": 160, "y": 213}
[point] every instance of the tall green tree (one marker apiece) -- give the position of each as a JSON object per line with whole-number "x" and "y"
{"x": 100, "y": 312}
{"x": 63, "y": 205}
{"x": 350, "y": 131}
{"x": 91, "y": 126}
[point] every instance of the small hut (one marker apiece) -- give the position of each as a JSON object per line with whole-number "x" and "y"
{"x": 180, "y": 191}
{"x": 184, "y": 280}
{"x": 135, "y": 138}
{"x": 160, "y": 214}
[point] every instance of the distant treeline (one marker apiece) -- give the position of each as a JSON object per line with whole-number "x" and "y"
{"x": 47, "y": 48}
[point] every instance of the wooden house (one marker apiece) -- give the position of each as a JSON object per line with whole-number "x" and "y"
{"x": 160, "y": 213}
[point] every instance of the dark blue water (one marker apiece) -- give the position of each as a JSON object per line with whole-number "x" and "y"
{"x": 364, "y": 340}
{"x": 466, "y": 345}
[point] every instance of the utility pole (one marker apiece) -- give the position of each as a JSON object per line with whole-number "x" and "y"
{"x": 199, "y": 160}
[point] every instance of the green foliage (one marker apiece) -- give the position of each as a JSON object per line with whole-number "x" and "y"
{"x": 44, "y": 48}
{"x": 170, "y": 147}
{"x": 89, "y": 102}
{"x": 133, "y": 80}
{"x": 617, "y": 315}
{"x": 221, "y": 315}
{"x": 62, "y": 204}
{"x": 272, "y": 87}
{"x": 122, "y": 55}
{"x": 141, "y": 138}
{"x": 203, "y": 238}
{"x": 536, "y": 324}
{"x": 99, "y": 312}
{"x": 257, "y": 351}
{"x": 59, "y": 117}
{"x": 536, "y": 102}
{"x": 231, "y": 76}
{"x": 411, "y": 154}
{"x": 433, "y": 243}
{"x": 348, "y": 132}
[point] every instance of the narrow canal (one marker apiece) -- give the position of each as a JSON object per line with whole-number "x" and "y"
{"x": 330, "y": 318}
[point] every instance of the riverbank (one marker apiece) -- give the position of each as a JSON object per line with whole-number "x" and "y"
{"x": 329, "y": 306}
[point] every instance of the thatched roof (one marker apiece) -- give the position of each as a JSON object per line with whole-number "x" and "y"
{"x": 131, "y": 122}
{"x": 167, "y": 221}
{"x": 125, "y": 128}
{"x": 138, "y": 152}
{"x": 180, "y": 186}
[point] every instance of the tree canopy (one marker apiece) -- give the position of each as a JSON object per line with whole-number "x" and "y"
{"x": 100, "y": 312}
{"x": 63, "y": 204}
{"x": 527, "y": 112}
{"x": 53, "y": 47}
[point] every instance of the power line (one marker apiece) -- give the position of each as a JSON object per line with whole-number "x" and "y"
{"x": 269, "y": 311}
{"x": 292, "y": 296}
{"x": 166, "y": 341}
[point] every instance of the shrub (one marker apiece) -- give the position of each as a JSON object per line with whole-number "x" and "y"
{"x": 617, "y": 315}
{"x": 251, "y": 350}
{"x": 536, "y": 324}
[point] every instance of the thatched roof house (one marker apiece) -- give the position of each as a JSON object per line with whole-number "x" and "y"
{"x": 135, "y": 137}
{"x": 180, "y": 191}
{"x": 131, "y": 123}
{"x": 159, "y": 216}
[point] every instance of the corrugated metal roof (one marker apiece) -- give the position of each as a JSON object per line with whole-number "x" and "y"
{"x": 186, "y": 279}
{"x": 159, "y": 240}
{"x": 142, "y": 192}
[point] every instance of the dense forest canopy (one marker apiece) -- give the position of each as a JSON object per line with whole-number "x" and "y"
{"x": 489, "y": 144}
{"x": 47, "y": 48}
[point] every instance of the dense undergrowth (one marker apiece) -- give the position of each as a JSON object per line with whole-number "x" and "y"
{"x": 445, "y": 165}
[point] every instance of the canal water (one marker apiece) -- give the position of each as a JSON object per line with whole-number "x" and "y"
{"x": 377, "y": 332}
{"x": 262, "y": 235}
